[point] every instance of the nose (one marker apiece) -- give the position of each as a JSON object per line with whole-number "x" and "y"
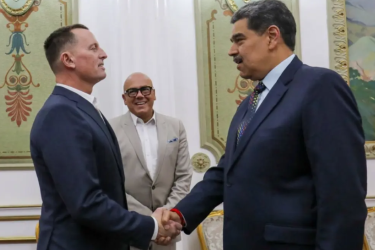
{"x": 139, "y": 95}
{"x": 233, "y": 50}
{"x": 103, "y": 55}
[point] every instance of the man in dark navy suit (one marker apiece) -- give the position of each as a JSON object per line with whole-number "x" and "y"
{"x": 293, "y": 176}
{"x": 78, "y": 161}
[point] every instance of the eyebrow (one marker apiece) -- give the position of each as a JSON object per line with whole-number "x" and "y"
{"x": 236, "y": 37}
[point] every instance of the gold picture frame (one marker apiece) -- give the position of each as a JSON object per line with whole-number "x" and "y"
{"x": 339, "y": 56}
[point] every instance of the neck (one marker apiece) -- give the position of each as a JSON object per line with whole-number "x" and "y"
{"x": 280, "y": 57}
{"x": 147, "y": 117}
{"x": 74, "y": 82}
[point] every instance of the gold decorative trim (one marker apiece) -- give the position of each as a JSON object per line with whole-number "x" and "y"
{"x": 17, "y": 166}
{"x": 19, "y": 217}
{"x": 17, "y": 12}
{"x": 200, "y": 228}
{"x": 370, "y": 149}
{"x": 339, "y": 38}
{"x": 365, "y": 242}
{"x": 22, "y": 239}
{"x": 232, "y": 5}
{"x": 17, "y": 240}
{"x": 201, "y": 162}
{"x": 20, "y": 206}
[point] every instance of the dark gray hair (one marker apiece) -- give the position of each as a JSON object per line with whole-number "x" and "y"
{"x": 57, "y": 40}
{"x": 264, "y": 13}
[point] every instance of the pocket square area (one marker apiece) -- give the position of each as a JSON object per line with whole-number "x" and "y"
{"x": 173, "y": 140}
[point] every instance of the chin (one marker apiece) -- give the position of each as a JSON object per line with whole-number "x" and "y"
{"x": 102, "y": 77}
{"x": 245, "y": 75}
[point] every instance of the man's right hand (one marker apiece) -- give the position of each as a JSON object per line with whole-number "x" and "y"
{"x": 168, "y": 216}
{"x": 168, "y": 228}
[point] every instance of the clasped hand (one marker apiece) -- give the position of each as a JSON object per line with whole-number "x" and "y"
{"x": 169, "y": 226}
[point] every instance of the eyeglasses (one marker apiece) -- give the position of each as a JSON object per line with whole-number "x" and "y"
{"x": 133, "y": 92}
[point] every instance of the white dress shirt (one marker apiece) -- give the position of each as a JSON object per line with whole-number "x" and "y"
{"x": 149, "y": 139}
{"x": 271, "y": 78}
{"x": 90, "y": 98}
{"x": 94, "y": 102}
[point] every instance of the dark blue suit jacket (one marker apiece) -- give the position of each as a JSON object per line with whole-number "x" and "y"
{"x": 78, "y": 164}
{"x": 297, "y": 179}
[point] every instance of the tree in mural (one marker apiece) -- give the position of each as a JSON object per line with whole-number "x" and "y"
{"x": 364, "y": 92}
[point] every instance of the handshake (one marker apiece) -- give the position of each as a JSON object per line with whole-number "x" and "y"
{"x": 169, "y": 226}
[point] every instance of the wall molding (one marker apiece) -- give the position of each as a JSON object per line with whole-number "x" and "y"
{"x": 20, "y": 206}
{"x": 18, "y": 239}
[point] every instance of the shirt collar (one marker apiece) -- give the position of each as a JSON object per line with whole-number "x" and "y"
{"x": 271, "y": 78}
{"x": 139, "y": 120}
{"x": 90, "y": 98}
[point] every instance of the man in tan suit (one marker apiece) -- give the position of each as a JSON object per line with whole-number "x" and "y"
{"x": 154, "y": 151}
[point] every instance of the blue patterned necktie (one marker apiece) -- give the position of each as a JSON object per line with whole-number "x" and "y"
{"x": 253, "y": 103}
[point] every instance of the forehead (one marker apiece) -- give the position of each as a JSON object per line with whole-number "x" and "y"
{"x": 138, "y": 82}
{"x": 240, "y": 26}
{"x": 84, "y": 36}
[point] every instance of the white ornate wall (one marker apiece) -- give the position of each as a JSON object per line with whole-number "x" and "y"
{"x": 158, "y": 38}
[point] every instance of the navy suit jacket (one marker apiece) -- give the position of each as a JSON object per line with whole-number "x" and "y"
{"x": 78, "y": 165}
{"x": 297, "y": 178}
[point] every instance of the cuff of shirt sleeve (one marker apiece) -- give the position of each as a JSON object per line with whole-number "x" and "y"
{"x": 156, "y": 230}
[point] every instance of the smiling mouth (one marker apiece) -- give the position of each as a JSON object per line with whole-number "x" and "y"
{"x": 140, "y": 103}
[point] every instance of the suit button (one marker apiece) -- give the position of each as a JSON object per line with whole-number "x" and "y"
{"x": 229, "y": 184}
{"x": 153, "y": 187}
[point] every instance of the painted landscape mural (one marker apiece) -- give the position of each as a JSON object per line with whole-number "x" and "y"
{"x": 360, "y": 15}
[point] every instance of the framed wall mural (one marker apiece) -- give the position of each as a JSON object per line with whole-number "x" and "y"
{"x": 221, "y": 89}
{"x": 25, "y": 76}
{"x": 351, "y": 26}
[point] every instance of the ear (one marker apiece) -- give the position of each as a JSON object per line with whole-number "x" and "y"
{"x": 124, "y": 98}
{"x": 68, "y": 60}
{"x": 274, "y": 36}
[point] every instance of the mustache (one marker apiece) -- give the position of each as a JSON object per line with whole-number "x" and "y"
{"x": 237, "y": 59}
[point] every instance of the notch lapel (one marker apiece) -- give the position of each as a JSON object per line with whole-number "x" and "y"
{"x": 117, "y": 147}
{"x": 133, "y": 136}
{"x": 271, "y": 100}
{"x": 161, "y": 128}
{"x": 90, "y": 110}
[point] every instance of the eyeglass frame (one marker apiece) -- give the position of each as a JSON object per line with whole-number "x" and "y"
{"x": 139, "y": 90}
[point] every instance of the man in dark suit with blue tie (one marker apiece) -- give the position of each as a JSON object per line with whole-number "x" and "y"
{"x": 293, "y": 176}
{"x": 77, "y": 158}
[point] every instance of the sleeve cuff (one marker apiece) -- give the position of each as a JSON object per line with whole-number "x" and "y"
{"x": 156, "y": 230}
{"x": 182, "y": 218}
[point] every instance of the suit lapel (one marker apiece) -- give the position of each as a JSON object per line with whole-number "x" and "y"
{"x": 232, "y": 132}
{"x": 89, "y": 109}
{"x": 161, "y": 128}
{"x": 117, "y": 147}
{"x": 133, "y": 136}
{"x": 271, "y": 100}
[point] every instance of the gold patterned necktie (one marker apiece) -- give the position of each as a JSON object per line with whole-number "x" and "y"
{"x": 253, "y": 103}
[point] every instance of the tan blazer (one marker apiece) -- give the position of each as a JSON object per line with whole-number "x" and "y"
{"x": 173, "y": 170}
